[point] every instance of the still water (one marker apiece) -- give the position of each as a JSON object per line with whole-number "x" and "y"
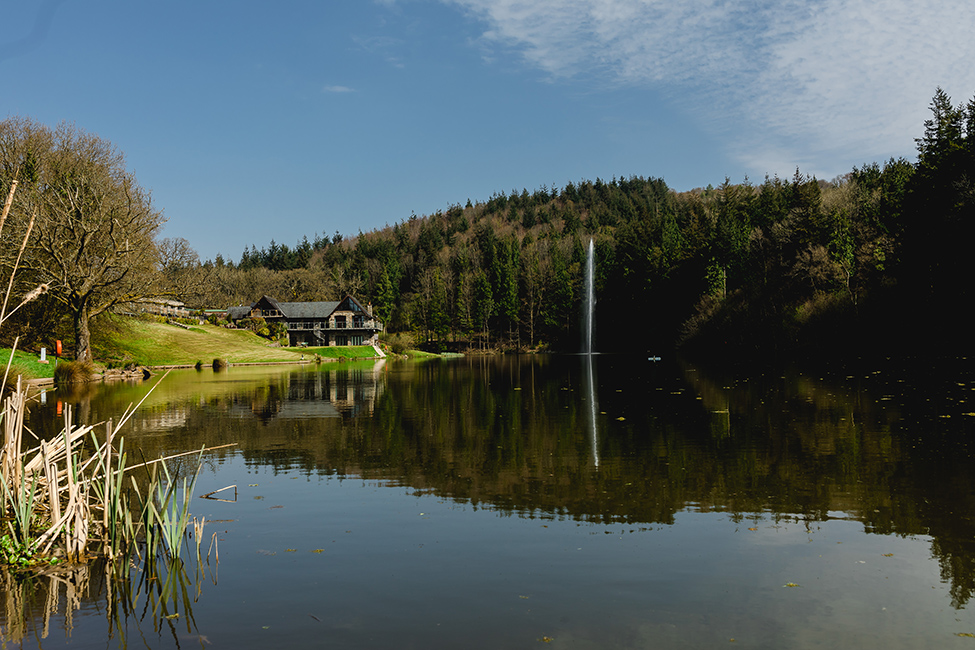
{"x": 570, "y": 501}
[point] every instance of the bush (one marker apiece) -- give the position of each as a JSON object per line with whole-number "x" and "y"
{"x": 277, "y": 330}
{"x": 72, "y": 372}
{"x": 220, "y": 364}
{"x": 398, "y": 343}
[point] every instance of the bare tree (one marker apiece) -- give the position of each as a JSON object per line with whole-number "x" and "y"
{"x": 95, "y": 237}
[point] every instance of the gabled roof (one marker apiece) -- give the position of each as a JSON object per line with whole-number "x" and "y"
{"x": 300, "y": 310}
{"x": 308, "y": 309}
{"x": 266, "y": 302}
{"x": 238, "y": 312}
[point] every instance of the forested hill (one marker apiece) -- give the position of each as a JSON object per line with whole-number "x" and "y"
{"x": 876, "y": 258}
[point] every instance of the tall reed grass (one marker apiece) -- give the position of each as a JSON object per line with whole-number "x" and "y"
{"x": 62, "y": 503}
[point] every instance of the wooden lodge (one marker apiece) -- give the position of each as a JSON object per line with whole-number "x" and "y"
{"x": 345, "y": 322}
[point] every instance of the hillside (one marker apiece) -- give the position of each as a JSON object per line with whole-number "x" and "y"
{"x": 870, "y": 261}
{"x": 151, "y": 343}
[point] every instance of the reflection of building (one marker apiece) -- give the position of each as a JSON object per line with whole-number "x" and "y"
{"x": 345, "y": 322}
{"x": 154, "y": 420}
{"x": 324, "y": 394}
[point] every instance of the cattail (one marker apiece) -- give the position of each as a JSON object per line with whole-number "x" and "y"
{"x": 37, "y": 291}
{"x": 31, "y": 295}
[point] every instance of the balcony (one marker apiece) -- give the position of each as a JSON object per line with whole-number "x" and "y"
{"x": 305, "y": 326}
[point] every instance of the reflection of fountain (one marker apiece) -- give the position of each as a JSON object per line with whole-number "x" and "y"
{"x": 593, "y": 408}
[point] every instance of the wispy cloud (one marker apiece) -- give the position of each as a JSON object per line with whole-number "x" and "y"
{"x": 338, "y": 89}
{"x": 818, "y": 83}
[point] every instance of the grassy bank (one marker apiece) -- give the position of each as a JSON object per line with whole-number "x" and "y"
{"x": 26, "y": 364}
{"x": 124, "y": 341}
{"x": 150, "y": 343}
{"x": 337, "y": 352}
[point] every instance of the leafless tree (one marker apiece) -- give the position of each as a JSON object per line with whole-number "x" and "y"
{"x": 95, "y": 236}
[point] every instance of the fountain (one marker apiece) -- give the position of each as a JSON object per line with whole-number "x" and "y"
{"x": 590, "y": 301}
{"x": 589, "y": 314}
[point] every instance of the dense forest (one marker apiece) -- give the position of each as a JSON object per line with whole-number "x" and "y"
{"x": 873, "y": 259}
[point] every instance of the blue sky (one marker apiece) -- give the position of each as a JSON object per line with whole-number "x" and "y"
{"x": 251, "y": 121}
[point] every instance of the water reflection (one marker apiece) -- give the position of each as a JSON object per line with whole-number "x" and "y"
{"x": 589, "y": 372}
{"x": 614, "y": 443}
{"x": 153, "y": 599}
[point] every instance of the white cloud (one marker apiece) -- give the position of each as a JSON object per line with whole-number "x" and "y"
{"x": 823, "y": 84}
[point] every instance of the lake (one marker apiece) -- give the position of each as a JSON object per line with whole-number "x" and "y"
{"x": 532, "y": 501}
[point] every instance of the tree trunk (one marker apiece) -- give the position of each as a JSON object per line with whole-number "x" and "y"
{"x": 82, "y": 335}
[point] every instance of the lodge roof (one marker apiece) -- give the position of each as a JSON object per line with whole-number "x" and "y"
{"x": 297, "y": 310}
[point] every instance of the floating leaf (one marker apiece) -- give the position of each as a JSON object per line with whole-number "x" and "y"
{"x": 547, "y": 639}
{"x": 318, "y": 550}
{"x": 752, "y": 529}
{"x": 888, "y": 555}
{"x": 790, "y": 584}
{"x": 968, "y": 634}
{"x": 523, "y": 597}
{"x": 252, "y": 485}
{"x": 172, "y": 616}
{"x": 290, "y": 550}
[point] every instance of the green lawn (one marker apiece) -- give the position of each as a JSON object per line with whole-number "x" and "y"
{"x": 149, "y": 343}
{"x": 160, "y": 344}
{"x": 26, "y": 364}
{"x": 338, "y": 352}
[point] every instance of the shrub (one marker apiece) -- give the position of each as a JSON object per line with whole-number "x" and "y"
{"x": 277, "y": 329}
{"x": 398, "y": 343}
{"x": 72, "y": 372}
{"x": 220, "y": 364}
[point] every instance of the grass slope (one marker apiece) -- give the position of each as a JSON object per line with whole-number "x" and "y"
{"x": 26, "y": 364}
{"x": 159, "y": 344}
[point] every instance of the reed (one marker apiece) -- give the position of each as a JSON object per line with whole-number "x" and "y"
{"x": 62, "y": 503}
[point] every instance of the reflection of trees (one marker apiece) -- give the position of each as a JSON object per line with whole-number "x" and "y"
{"x": 515, "y": 434}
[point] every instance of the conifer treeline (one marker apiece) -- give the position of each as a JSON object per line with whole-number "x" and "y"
{"x": 872, "y": 256}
